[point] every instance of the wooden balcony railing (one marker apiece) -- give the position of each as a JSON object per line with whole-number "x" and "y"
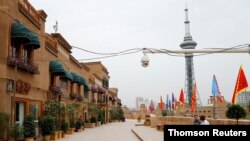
{"x": 79, "y": 98}
{"x": 55, "y": 89}
{"x": 24, "y": 64}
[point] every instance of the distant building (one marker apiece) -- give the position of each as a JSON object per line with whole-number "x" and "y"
{"x": 243, "y": 98}
{"x": 138, "y": 102}
{"x": 210, "y": 111}
{"x": 147, "y": 103}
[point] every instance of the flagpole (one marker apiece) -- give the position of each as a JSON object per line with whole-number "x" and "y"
{"x": 214, "y": 108}
{"x": 246, "y": 103}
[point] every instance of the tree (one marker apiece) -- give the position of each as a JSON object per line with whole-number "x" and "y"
{"x": 235, "y": 111}
{"x": 164, "y": 113}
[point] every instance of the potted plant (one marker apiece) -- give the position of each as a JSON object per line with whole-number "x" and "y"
{"x": 29, "y": 128}
{"x": 83, "y": 124}
{"x": 64, "y": 128}
{"x": 54, "y": 110}
{"x": 48, "y": 126}
{"x": 4, "y": 120}
{"x": 71, "y": 115}
{"x": 78, "y": 125}
{"x": 16, "y": 132}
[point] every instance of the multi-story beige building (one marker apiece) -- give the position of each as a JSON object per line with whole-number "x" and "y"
{"x": 37, "y": 67}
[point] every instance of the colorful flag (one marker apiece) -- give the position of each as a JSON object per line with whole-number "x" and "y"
{"x": 241, "y": 84}
{"x": 181, "y": 98}
{"x": 151, "y": 106}
{"x": 161, "y": 104}
{"x": 173, "y": 101}
{"x": 193, "y": 103}
{"x": 215, "y": 89}
{"x": 167, "y": 103}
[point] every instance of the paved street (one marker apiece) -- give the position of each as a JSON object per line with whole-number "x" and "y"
{"x": 120, "y": 131}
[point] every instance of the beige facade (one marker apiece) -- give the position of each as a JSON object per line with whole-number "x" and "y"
{"x": 20, "y": 61}
{"x": 36, "y": 67}
{"x": 102, "y": 96}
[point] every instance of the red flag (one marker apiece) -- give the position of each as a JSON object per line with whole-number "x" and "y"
{"x": 161, "y": 104}
{"x": 241, "y": 84}
{"x": 193, "y": 103}
{"x": 181, "y": 98}
{"x": 151, "y": 106}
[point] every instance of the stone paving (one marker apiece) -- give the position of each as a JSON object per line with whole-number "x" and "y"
{"x": 118, "y": 131}
{"x": 146, "y": 133}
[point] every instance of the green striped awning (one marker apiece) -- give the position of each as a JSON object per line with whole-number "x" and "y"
{"x": 34, "y": 41}
{"x": 20, "y": 33}
{"x": 76, "y": 78}
{"x": 82, "y": 80}
{"x": 87, "y": 87}
{"x": 56, "y": 67}
{"x": 68, "y": 75}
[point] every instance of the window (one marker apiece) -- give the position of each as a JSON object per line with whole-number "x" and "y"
{"x": 86, "y": 94}
{"x": 26, "y": 55}
{"x": 23, "y": 44}
{"x": 63, "y": 83}
{"x": 79, "y": 89}
{"x": 52, "y": 79}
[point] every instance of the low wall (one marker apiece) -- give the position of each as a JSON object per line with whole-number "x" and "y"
{"x": 176, "y": 120}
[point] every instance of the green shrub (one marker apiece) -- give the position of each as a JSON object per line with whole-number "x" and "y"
{"x": 164, "y": 113}
{"x": 93, "y": 119}
{"x": 29, "y": 126}
{"x": 48, "y": 125}
{"x": 64, "y": 127}
{"x": 235, "y": 112}
{"x": 4, "y": 121}
{"x": 16, "y": 132}
{"x": 78, "y": 124}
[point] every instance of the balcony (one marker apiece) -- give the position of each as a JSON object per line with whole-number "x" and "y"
{"x": 79, "y": 98}
{"x": 73, "y": 96}
{"x": 100, "y": 101}
{"x": 56, "y": 90}
{"x": 23, "y": 64}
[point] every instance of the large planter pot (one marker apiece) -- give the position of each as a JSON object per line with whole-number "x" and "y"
{"x": 89, "y": 125}
{"x": 63, "y": 134}
{"x": 46, "y": 138}
{"x": 98, "y": 123}
{"x": 70, "y": 131}
{"x": 29, "y": 139}
{"x": 60, "y": 134}
{"x": 78, "y": 130}
{"x": 54, "y": 136}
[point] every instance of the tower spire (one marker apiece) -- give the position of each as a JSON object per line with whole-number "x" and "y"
{"x": 189, "y": 43}
{"x": 187, "y": 27}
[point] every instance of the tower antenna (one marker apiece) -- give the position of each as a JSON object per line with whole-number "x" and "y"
{"x": 55, "y": 27}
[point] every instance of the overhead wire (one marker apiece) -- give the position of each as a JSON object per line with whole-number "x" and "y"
{"x": 134, "y": 50}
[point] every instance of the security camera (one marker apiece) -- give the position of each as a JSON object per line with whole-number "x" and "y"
{"x": 144, "y": 60}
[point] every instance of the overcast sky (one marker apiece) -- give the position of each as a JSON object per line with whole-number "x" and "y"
{"x": 117, "y": 25}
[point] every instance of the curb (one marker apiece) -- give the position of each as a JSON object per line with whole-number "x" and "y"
{"x": 137, "y": 135}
